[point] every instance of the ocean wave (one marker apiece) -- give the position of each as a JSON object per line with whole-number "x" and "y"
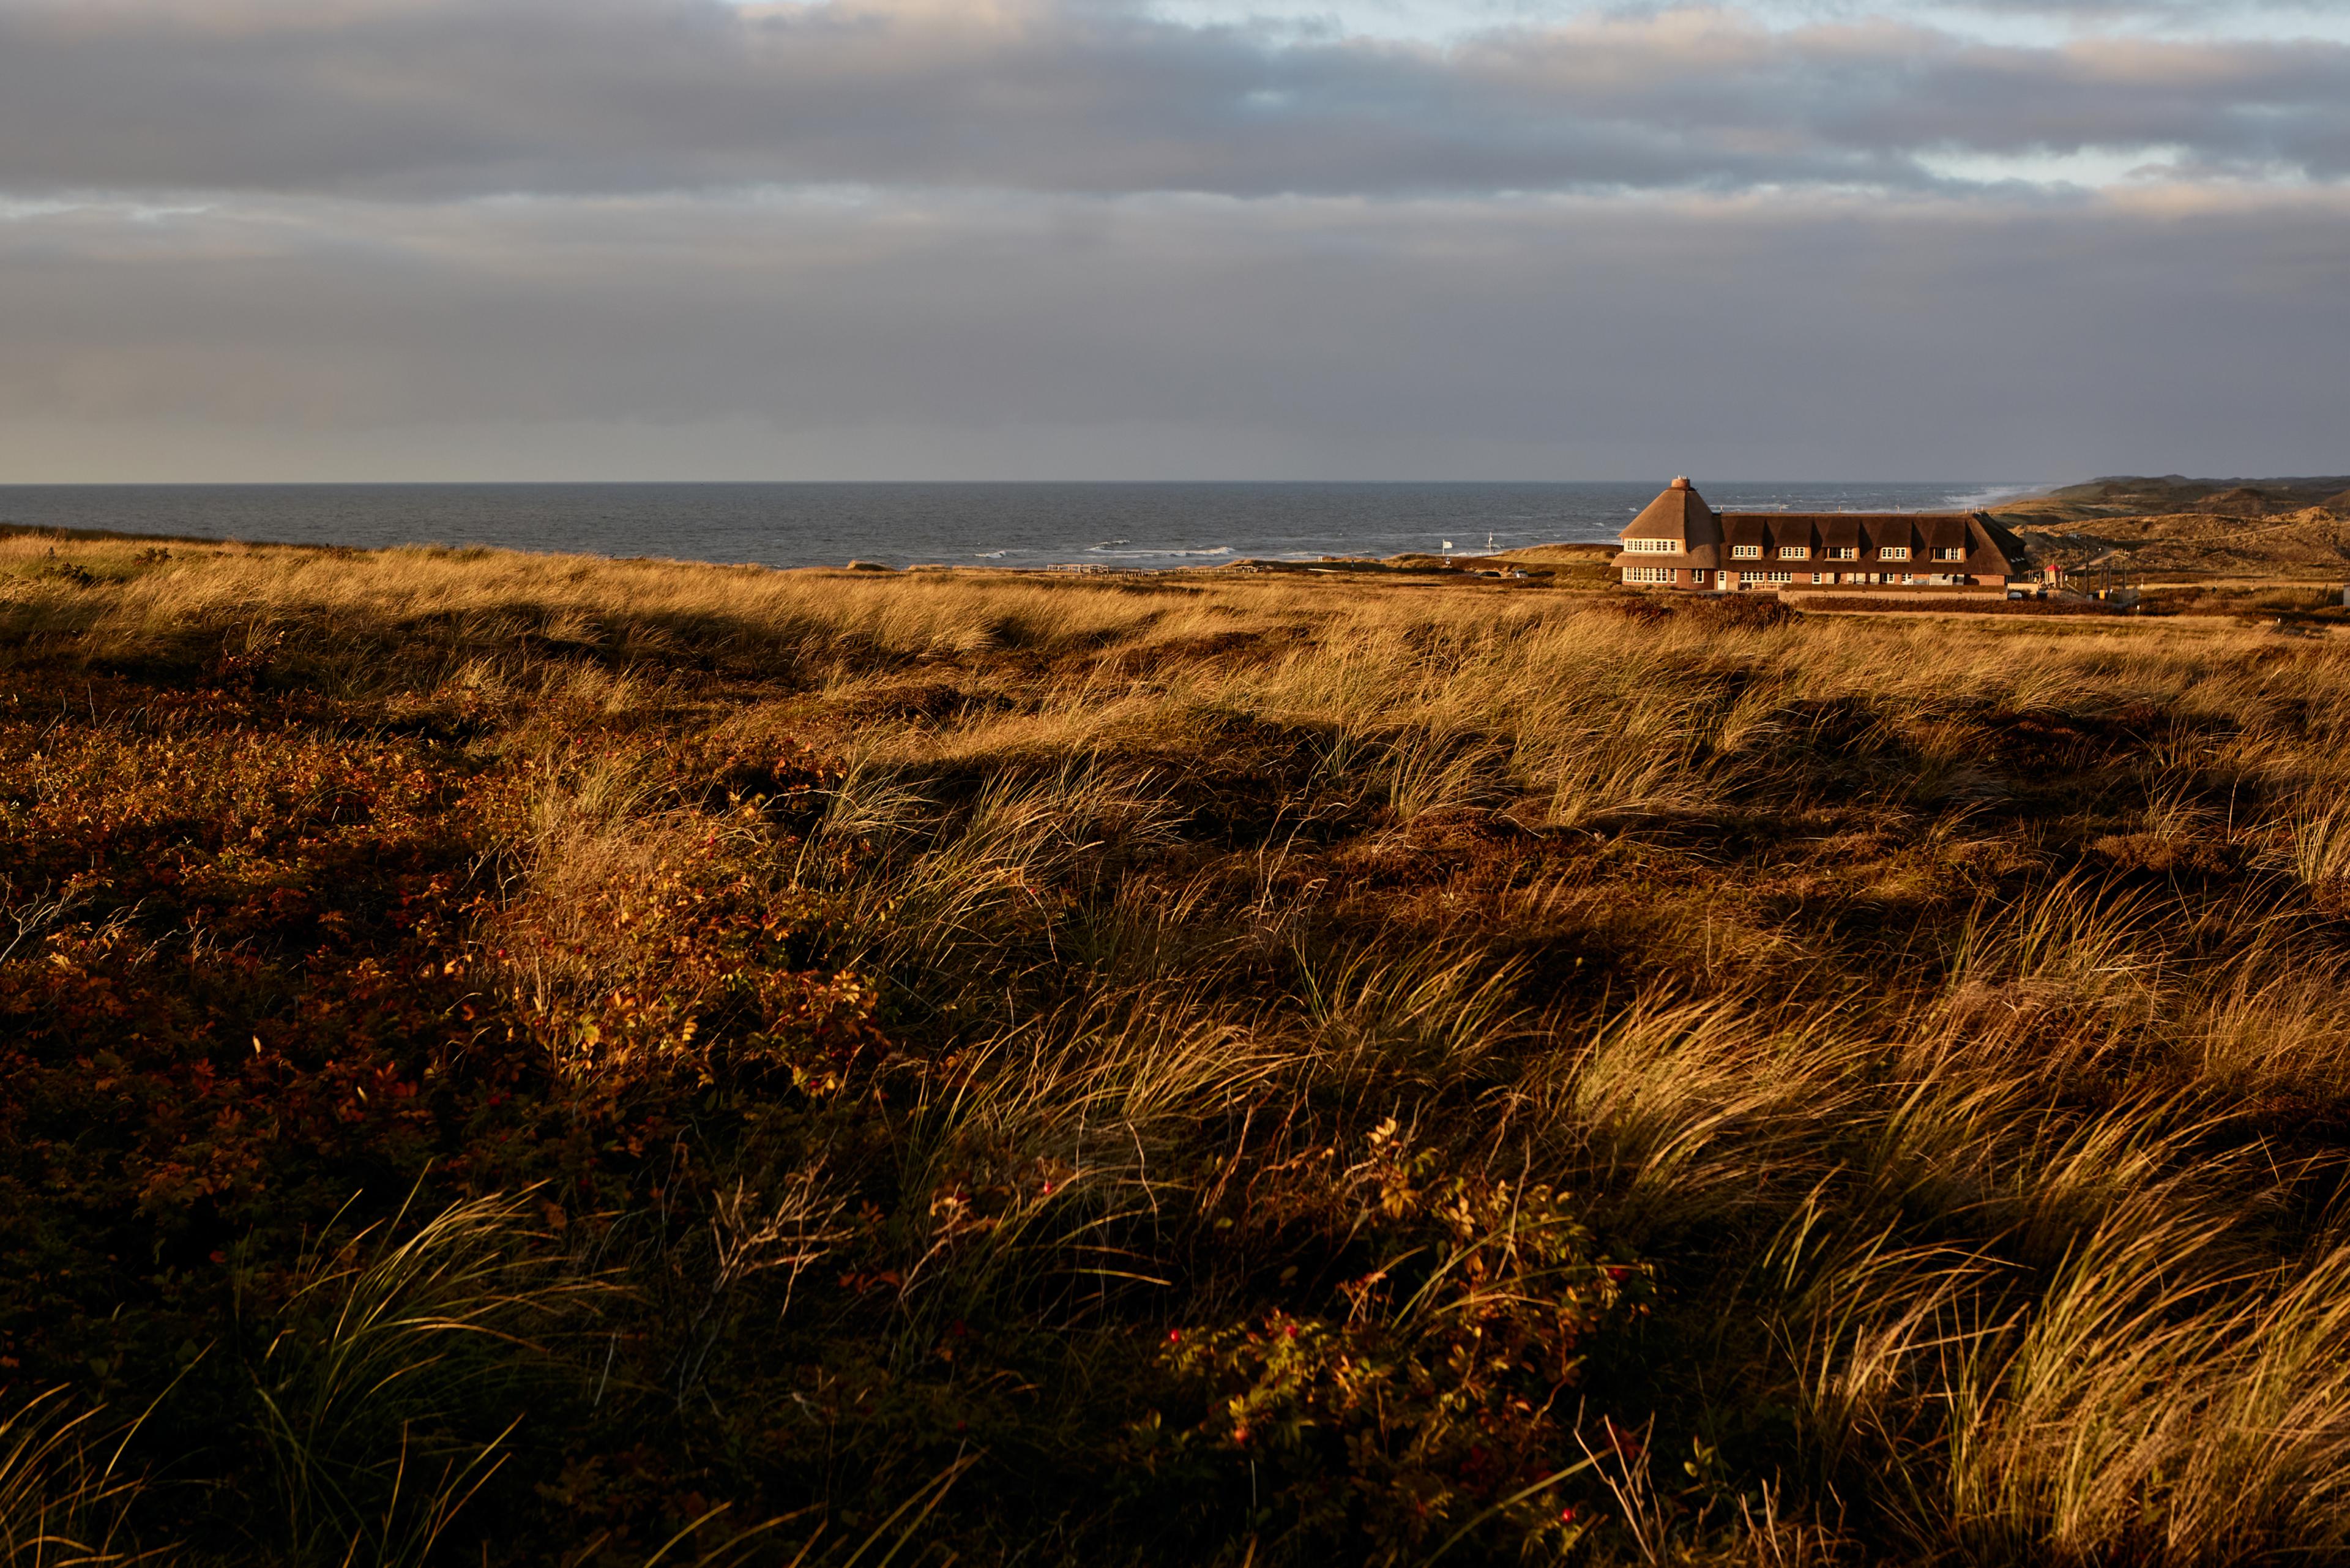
{"x": 1106, "y": 550}
{"x": 992, "y": 554}
{"x": 1989, "y": 495}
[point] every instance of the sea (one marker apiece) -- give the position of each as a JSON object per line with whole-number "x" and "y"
{"x": 1036, "y": 526}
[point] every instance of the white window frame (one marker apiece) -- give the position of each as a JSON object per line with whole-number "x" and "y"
{"x": 1795, "y": 552}
{"x": 1746, "y": 552}
{"x": 1842, "y": 553}
{"x": 1951, "y": 553}
{"x": 1653, "y": 547}
{"x": 1893, "y": 552}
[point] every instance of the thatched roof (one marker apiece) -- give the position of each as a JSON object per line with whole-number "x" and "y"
{"x": 1681, "y": 515}
{"x": 1680, "y": 512}
{"x": 1991, "y": 549}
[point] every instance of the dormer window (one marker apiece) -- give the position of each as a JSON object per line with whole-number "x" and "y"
{"x": 1654, "y": 546}
{"x": 1842, "y": 552}
{"x": 1951, "y": 553}
{"x": 1746, "y": 552}
{"x": 1795, "y": 552}
{"x": 1894, "y": 553}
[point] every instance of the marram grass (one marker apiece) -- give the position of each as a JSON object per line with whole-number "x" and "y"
{"x": 515, "y": 1060}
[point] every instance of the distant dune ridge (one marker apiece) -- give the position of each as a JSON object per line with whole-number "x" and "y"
{"x": 2284, "y": 529}
{"x": 2136, "y": 496}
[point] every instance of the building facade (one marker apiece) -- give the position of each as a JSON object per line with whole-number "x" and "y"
{"x": 1679, "y": 542}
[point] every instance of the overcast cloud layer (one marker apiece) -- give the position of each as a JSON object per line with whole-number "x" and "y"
{"x": 672, "y": 238}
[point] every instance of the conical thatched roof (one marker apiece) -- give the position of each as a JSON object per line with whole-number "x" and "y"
{"x": 1680, "y": 512}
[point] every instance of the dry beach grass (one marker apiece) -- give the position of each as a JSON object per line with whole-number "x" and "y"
{"x": 515, "y": 1059}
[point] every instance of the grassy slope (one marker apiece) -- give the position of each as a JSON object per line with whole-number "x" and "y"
{"x": 2173, "y": 494}
{"x": 2222, "y": 534}
{"x": 2299, "y": 547}
{"x": 1187, "y": 1070}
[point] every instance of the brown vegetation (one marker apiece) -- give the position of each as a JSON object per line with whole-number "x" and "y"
{"x": 515, "y": 1059}
{"x": 2174, "y": 494}
{"x": 2221, "y": 537}
{"x": 2301, "y": 546}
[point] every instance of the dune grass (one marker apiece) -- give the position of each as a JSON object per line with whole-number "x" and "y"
{"x": 512, "y": 1059}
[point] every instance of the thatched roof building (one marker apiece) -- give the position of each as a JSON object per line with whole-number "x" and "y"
{"x": 1678, "y": 541}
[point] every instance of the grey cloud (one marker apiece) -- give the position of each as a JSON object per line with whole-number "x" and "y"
{"x": 955, "y": 337}
{"x": 424, "y": 98}
{"x": 2175, "y": 11}
{"x": 2220, "y": 13}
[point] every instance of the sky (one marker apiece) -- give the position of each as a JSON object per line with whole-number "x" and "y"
{"x": 383, "y": 240}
